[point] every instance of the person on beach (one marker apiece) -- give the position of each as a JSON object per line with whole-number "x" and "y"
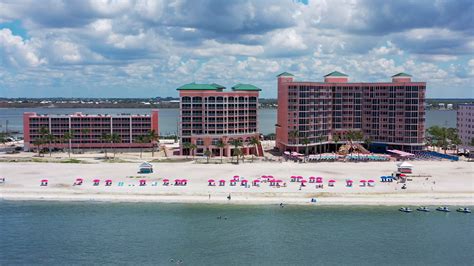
{"x": 228, "y": 197}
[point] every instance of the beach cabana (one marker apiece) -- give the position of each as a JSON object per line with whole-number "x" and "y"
{"x": 349, "y": 183}
{"x": 405, "y": 168}
{"x": 211, "y": 182}
{"x": 233, "y": 182}
{"x": 44, "y": 182}
{"x": 303, "y": 182}
{"x": 319, "y": 179}
{"x": 293, "y": 178}
{"x": 312, "y": 179}
{"x": 363, "y": 182}
{"x": 177, "y": 182}
{"x": 272, "y": 182}
{"x": 184, "y": 182}
{"x": 166, "y": 182}
{"x": 78, "y": 182}
{"x": 108, "y": 182}
{"x": 222, "y": 182}
{"x": 142, "y": 182}
{"x": 236, "y": 178}
{"x": 96, "y": 182}
{"x": 298, "y": 178}
{"x": 145, "y": 168}
{"x": 244, "y": 182}
{"x": 331, "y": 182}
{"x": 370, "y": 183}
{"x": 256, "y": 183}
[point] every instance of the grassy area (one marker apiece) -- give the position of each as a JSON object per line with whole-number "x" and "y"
{"x": 71, "y": 161}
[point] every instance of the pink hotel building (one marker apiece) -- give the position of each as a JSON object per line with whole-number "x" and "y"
{"x": 391, "y": 114}
{"x": 88, "y": 130}
{"x": 208, "y": 114}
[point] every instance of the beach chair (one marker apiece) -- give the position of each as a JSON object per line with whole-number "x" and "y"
{"x": 120, "y": 184}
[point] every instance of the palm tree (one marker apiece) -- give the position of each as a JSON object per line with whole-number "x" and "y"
{"x": 208, "y": 155}
{"x": 368, "y": 142}
{"x": 187, "y": 146}
{"x": 42, "y": 137}
{"x": 336, "y": 140}
{"x": 236, "y": 143}
{"x": 38, "y": 142}
{"x": 306, "y": 142}
{"x": 3, "y": 138}
{"x": 85, "y": 131}
{"x": 294, "y": 134}
{"x": 153, "y": 136}
{"x": 50, "y": 138}
{"x": 115, "y": 138}
{"x": 66, "y": 138}
{"x": 193, "y": 147}
{"x": 141, "y": 140}
{"x": 221, "y": 145}
{"x": 237, "y": 153}
{"x": 254, "y": 142}
{"x": 105, "y": 140}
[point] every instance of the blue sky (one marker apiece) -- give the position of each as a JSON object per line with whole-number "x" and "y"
{"x": 106, "y": 48}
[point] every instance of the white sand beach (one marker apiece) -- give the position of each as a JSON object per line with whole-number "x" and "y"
{"x": 434, "y": 183}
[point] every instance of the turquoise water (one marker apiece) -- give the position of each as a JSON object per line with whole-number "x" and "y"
{"x": 153, "y": 234}
{"x": 169, "y": 117}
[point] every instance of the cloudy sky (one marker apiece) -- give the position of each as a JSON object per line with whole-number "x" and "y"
{"x": 99, "y": 48}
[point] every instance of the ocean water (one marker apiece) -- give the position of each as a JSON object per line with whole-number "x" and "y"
{"x": 169, "y": 117}
{"x": 55, "y": 233}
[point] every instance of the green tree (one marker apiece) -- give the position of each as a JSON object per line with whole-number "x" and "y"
{"x": 254, "y": 142}
{"x": 105, "y": 138}
{"x": 193, "y": 148}
{"x": 293, "y": 135}
{"x": 154, "y": 137}
{"x": 85, "y": 131}
{"x": 187, "y": 146}
{"x": 115, "y": 138}
{"x": 66, "y": 138}
{"x": 236, "y": 143}
{"x": 368, "y": 142}
{"x": 50, "y": 139}
{"x": 141, "y": 140}
{"x": 207, "y": 153}
{"x": 306, "y": 142}
{"x": 221, "y": 145}
{"x": 336, "y": 140}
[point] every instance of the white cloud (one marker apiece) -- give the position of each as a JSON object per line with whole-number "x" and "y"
{"x": 17, "y": 52}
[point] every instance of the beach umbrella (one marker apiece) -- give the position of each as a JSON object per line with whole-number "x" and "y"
{"x": 79, "y": 179}
{"x": 221, "y": 182}
{"x": 44, "y": 182}
{"x": 319, "y": 179}
{"x": 211, "y": 181}
{"x": 303, "y": 181}
{"x": 264, "y": 176}
{"x": 256, "y": 181}
{"x": 236, "y": 177}
{"x": 270, "y": 176}
{"x": 371, "y": 181}
{"x": 244, "y": 181}
{"x": 363, "y": 181}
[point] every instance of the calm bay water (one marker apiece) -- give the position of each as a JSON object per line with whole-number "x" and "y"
{"x": 169, "y": 117}
{"x": 147, "y": 233}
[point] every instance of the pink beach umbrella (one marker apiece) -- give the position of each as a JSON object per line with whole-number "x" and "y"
{"x": 142, "y": 182}
{"x": 233, "y": 182}
{"x": 256, "y": 182}
{"x": 244, "y": 182}
{"x": 312, "y": 179}
{"x": 293, "y": 178}
{"x": 96, "y": 182}
{"x": 44, "y": 182}
{"x": 349, "y": 183}
{"x": 370, "y": 183}
{"x": 78, "y": 182}
{"x": 108, "y": 182}
{"x": 236, "y": 177}
{"x": 166, "y": 181}
{"x": 303, "y": 182}
{"x": 177, "y": 182}
{"x": 222, "y": 182}
{"x": 319, "y": 179}
{"x": 211, "y": 182}
{"x": 184, "y": 182}
{"x": 331, "y": 182}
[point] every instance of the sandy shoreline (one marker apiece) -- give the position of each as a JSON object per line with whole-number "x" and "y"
{"x": 436, "y": 183}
